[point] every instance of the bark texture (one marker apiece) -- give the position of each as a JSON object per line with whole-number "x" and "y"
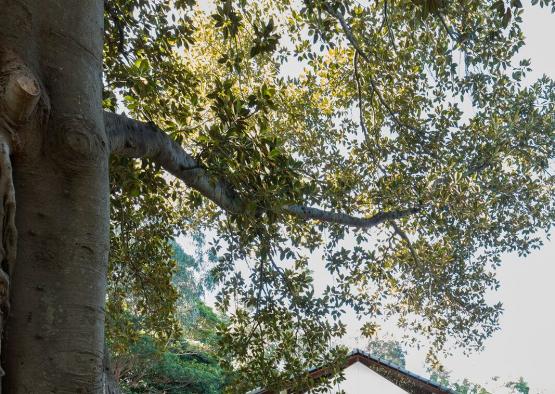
{"x": 109, "y": 379}
{"x": 19, "y": 95}
{"x": 132, "y": 138}
{"x": 53, "y": 342}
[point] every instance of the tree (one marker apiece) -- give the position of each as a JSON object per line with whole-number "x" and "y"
{"x": 167, "y": 351}
{"x": 519, "y": 386}
{"x": 278, "y": 167}
{"x": 187, "y": 364}
{"x": 468, "y": 387}
{"x": 393, "y": 352}
{"x": 388, "y": 350}
{"x": 462, "y": 387}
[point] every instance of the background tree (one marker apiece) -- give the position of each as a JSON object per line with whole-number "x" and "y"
{"x": 368, "y": 144}
{"x": 186, "y": 364}
{"x": 466, "y": 386}
{"x": 519, "y": 386}
{"x": 177, "y": 358}
{"x": 388, "y": 350}
{"x": 394, "y": 353}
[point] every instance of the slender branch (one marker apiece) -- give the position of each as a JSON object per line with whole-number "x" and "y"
{"x": 362, "y": 120}
{"x": 385, "y": 22}
{"x": 400, "y": 232}
{"x": 132, "y": 138}
{"x": 119, "y": 26}
{"x": 454, "y": 35}
{"x": 354, "y": 42}
{"x": 348, "y": 220}
{"x": 359, "y": 93}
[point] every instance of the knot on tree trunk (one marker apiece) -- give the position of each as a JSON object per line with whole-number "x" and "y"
{"x": 77, "y": 142}
{"x": 20, "y": 92}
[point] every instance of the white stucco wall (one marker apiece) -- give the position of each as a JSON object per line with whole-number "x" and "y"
{"x": 359, "y": 379}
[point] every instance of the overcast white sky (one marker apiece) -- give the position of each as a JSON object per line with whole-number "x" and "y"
{"x": 525, "y": 345}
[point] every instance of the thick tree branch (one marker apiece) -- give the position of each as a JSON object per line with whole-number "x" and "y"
{"x": 131, "y": 138}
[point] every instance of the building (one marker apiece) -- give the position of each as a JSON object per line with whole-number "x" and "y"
{"x": 367, "y": 374}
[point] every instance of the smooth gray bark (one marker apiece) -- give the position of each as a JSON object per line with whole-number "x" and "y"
{"x": 131, "y": 138}
{"x": 54, "y": 336}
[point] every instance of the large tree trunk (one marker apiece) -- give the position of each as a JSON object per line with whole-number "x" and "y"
{"x": 53, "y": 341}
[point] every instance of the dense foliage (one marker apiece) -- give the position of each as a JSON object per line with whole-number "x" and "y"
{"x": 187, "y": 365}
{"x": 414, "y": 106}
{"x": 152, "y": 358}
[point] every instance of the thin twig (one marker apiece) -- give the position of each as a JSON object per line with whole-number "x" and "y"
{"x": 454, "y": 36}
{"x": 385, "y": 22}
{"x": 359, "y": 92}
{"x": 119, "y": 26}
{"x": 354, "y": 42}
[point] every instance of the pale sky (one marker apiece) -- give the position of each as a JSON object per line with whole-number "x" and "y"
{"x": 525, "y": 345}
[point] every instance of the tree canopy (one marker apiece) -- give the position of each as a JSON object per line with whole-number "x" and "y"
{"x": 394, "y": 140}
